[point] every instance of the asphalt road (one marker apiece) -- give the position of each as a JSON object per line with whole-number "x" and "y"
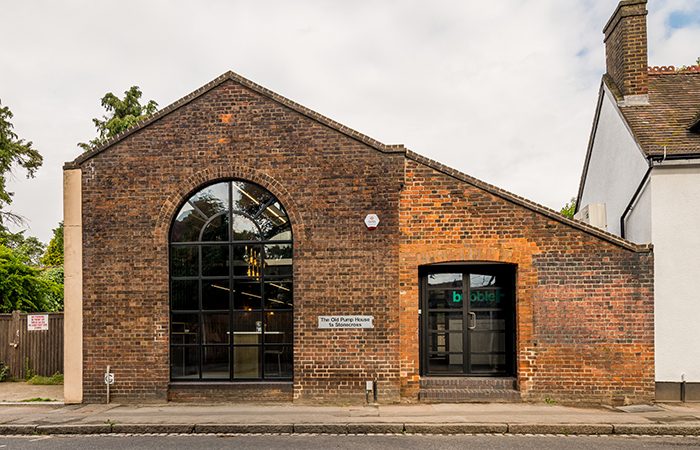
{"x": 407, "y": 442}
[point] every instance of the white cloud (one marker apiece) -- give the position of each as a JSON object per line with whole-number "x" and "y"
{"x": 504, "y": 91}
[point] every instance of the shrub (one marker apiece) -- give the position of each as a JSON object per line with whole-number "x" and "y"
{"x": 56, "y": 378}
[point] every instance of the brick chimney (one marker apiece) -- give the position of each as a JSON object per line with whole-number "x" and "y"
{"x": 626, "y": 50}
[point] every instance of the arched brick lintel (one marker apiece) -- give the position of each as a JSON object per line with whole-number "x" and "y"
{"x": 519, "y": 252}
{"x": 191, "y": 184}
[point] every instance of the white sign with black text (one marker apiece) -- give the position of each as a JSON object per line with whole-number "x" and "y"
{"x": 37, "y": 322}
{"x": 346, "y": 321}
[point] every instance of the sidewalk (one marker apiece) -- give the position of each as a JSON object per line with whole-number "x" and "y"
{"x": 20, "y": 391}
{"x": 520, "y": 418}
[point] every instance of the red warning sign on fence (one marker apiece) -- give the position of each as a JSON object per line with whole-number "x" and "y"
{"x": 37, "y": 322}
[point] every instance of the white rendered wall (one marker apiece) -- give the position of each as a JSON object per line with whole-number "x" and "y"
{"x": 675, "y": 197}
{"x": 638, "y": 223}
{"x": 616, "y": 165}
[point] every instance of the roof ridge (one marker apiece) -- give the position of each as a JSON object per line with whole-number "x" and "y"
{"x": 233, "y": 76}
{"x": 664, "y": 70}
{"x": 529, "y": 204}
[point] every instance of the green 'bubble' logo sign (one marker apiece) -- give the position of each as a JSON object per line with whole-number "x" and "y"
{"x": 490, "y": 296}
{"x": 486, "y": 296}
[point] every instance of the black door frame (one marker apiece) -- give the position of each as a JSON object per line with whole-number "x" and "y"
{"x": 505, "y": 270}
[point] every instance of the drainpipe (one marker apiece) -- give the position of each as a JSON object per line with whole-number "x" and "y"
{"x": 634, "y": 199}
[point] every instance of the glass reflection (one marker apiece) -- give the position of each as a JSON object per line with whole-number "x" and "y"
{"x": 198, "y": 211}
{"x": 231, "y": 285}
{"x": 278, "y": 294}
{"x": 445, "y": 280}
{"x": 184, "y": 362}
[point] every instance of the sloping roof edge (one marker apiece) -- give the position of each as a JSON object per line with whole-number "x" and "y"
{"x": 384, "y": 148}
{"x": 605, "y": 83}
{"x": 232, "y": 76}
{"x": 589, "y": 150}
{"x": 529, "y": 204}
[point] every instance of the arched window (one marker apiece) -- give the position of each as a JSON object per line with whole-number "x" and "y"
{"x": 231, "y": 309}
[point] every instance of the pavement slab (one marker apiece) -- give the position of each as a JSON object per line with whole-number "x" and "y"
{"x": 521, "y": 418}
{"x": 18, "y": 391}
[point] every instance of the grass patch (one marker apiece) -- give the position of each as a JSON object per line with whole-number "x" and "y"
{"x": 56, "y": 378}
{"x": 38, "y": 399}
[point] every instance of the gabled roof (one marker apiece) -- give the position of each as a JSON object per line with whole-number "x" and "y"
{"x": 373, "y": 143}
{"x": 665, "y": 126}
{"x": 232, "y": 76}
{"x": 529, "y": 204}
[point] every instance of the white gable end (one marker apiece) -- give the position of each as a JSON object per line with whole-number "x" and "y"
{"x": 616, "y": 165}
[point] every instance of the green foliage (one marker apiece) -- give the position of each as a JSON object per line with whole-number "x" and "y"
{"x": 29, "y": 249}
{"x": 4, "y": 371}
{"x": 569, "y": 209}
{"x": 13, "y": 152}
{"x": 685, "y": 68}
{"x": 54, "y": 252}
{"x": 122, "y": 114}
{"x": 26, "y": 288}
{"x": 54, "y": 298}
{"x": 54, "y": 379}
{"x": 28, "y": 372}
{"x": 38, "y": 399}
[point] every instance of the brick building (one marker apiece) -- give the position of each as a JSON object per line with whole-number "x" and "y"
{"x": 219, "y": 251}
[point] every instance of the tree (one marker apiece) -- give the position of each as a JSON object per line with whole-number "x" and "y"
{"x": 29, "y": 248}
{"x": 26, "y": 288}
{"x": 569, "y": 209}
{"x": 122, "y": 114}
{"x": 54, "y": 297}
{"x": 13, "y": 152}
{"x": 54, "y": 252}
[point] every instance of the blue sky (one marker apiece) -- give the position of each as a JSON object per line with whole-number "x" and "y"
{"x": 684, "y": 19}
{"x": 504, "y": 91}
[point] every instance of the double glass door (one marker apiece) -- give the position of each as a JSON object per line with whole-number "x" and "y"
{"x": 467, "y": 321}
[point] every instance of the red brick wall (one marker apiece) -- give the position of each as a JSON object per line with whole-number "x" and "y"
{"x": 231, "y": 392}
{"x": 584, "y": 306}
{"x": 626, "y": 47}
{"x": 327, "y": 181}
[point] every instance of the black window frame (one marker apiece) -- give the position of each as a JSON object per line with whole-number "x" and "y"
{"x": 263, "y": 347}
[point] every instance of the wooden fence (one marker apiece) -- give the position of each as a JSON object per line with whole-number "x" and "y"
{"x": 22, "y": 350}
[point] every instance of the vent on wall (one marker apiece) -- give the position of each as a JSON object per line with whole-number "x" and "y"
{"x": 593, "y": 214}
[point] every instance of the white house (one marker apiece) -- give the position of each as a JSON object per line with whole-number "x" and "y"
{"x": 641, "y": 181}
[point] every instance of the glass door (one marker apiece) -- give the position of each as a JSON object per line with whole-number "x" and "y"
{"x": 445, "y": 333}
{"x": 487, "y": 324}
{"x": 467, "y": 320}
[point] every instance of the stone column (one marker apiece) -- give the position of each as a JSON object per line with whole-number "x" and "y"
{"x": 73, "y": 287}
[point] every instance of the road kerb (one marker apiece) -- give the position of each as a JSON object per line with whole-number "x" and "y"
{"x": 456, "y": 428}
{"x": 154, "y": 428}
{"x": 82, "y": 428}
{"x": 561, "y": 428}
{"x": 375, "y": 428}
{"x": 243, "y": 428}
{"x": 321, "y": 428}
{"x": 6, "y": 429}
{"x": 658, "y": 429}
